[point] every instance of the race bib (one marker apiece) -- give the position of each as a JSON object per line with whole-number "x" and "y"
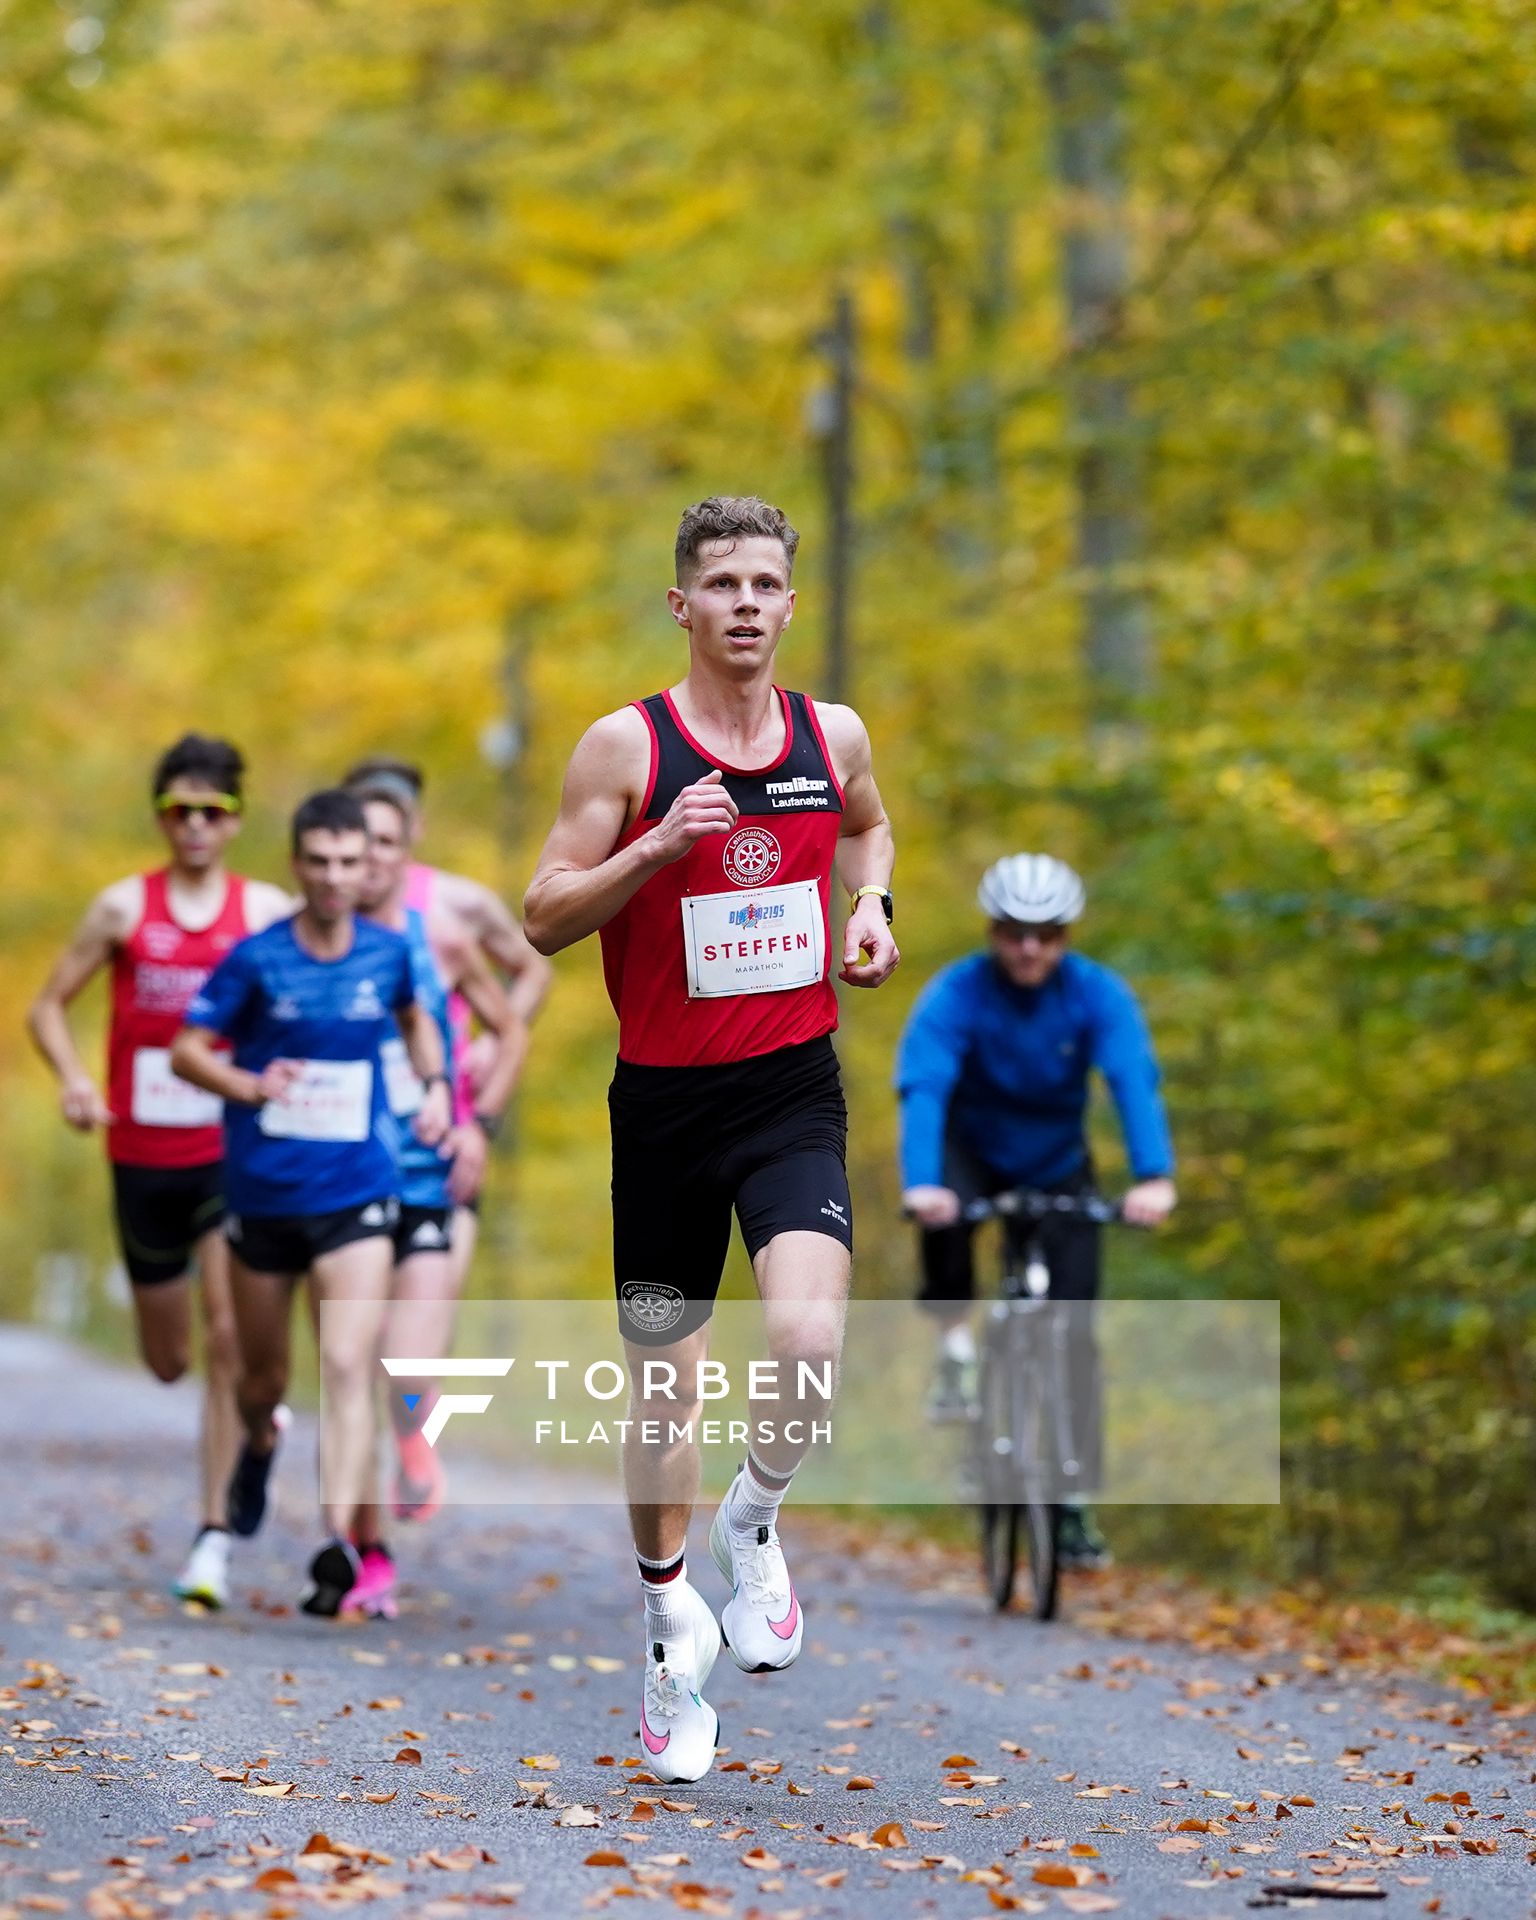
{"x": 762, "y": 940}
{"x": 163, "y": 1099}
{"x": 403, "y": 1088}
{"x": 330, "y": 1100}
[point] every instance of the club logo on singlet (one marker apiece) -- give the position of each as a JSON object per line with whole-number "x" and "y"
{"x": 751, "y": 857}
{"x": 160, "y": 940}
{"x": 651, "y": 1305}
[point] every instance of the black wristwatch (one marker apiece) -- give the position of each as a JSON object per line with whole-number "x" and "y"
{"x": 488, "y": 1123}
{"x": 883, "y": 894}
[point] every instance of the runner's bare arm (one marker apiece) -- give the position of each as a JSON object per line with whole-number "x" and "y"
{"x": 580, "y": 882}
{"x": 528, "y": 974}
{"x": 866, "y": 852}
{"x": 107, "y": 922}
{"x": 424, "y": 1046}
{"x": 492, "y": 1006}
{"x": 196, "y": 1056}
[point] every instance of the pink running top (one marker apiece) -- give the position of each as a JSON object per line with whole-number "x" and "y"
{"x": 420, "y": 885}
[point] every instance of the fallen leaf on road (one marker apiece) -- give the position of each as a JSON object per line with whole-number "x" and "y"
{"x": 579, "y": 1816}
{"x": 542, "y": 1762}
{"x": 274, "y": 1879}
{"x": 408, "y": 1757}
{"x": 275, "y": 1791}
{"x": 890, "y": 1835}
{"x": 605, "y": 1857}
{"x": 381, "y": 1799}
{"x": 958, "y": 1760}
{"x": 858, "y": 1783}
{"x": 1059, "y": 1874}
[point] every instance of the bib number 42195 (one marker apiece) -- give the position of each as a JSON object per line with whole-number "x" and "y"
{"x": 758, "y": 940}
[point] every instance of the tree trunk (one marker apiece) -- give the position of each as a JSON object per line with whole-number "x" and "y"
{"x": 1084, "y": 82}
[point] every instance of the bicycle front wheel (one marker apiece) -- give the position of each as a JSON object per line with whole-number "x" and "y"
{"x": 1042, "y": 1528}
{"x": 999, "y": 1552}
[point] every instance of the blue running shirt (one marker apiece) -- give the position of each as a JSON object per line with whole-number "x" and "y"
{"x": 423, "y": 1172}
{"x": 331, "y": 1142}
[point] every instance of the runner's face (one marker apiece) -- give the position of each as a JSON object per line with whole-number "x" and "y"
{"x": 197, "y": 840}
{"x": 330, "y": 867}
{"x": 736, "y": 603}
{"x": 388, "y": 851}
{"x": 1028, "y": 956}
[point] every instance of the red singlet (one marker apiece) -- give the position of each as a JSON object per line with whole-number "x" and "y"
{"x": 162, "y": 1121}
{"x": 726, "y": 953}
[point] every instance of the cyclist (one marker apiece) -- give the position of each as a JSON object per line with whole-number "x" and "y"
{"x": 310, "y": 1151}
{"x": 432, "y": 1179}
{"x": 993, "y": 1074}
{"x": 698, "y": 832}
{"x": 162, "y": 933}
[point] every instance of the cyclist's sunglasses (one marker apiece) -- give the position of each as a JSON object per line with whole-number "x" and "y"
{"x": 181, "y": 811}
{"x": 1018, "y": 930}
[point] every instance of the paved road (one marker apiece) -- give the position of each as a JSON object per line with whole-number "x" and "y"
{"x": 157, "y": 1761}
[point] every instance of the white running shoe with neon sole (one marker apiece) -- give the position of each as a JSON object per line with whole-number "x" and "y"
{"x": 205, "y": 1577}
{"x": 762, "y": 1622}
{"x": 678, "y": 1727}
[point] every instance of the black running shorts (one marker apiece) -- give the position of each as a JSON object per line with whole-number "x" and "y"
{"x": 422, "y": 1230}
{"x": 162, "y": 1213}
{"x": 767, "y": 1137}
{"x": 292, "y": 1243}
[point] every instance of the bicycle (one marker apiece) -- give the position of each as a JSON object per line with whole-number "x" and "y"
{"x": 1023, "y": 1446}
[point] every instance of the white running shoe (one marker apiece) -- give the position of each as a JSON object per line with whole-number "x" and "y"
{"x": 205, "y": 1577}
{"x": 762, "y": 1622}
{"x": 679, "y": 1728}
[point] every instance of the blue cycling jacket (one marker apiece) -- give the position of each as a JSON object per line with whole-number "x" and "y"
{"x": 1005, "y": 1070}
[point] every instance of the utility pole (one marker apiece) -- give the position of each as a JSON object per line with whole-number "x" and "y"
{"x": 829, "y": 416}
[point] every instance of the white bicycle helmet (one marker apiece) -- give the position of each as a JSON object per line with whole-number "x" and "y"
{"x": 1031, "y": 888}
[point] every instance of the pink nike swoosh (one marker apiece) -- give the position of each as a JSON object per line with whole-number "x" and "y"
{"x": 653, "y": 1745}
{"x": 785, "y": 1628}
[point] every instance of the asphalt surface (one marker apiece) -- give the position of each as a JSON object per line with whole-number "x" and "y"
{"x": 157, "y": 1760}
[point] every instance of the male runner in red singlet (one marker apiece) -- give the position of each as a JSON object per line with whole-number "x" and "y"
{"x": 698, "y": 831}
{"x": 163, "y": 933}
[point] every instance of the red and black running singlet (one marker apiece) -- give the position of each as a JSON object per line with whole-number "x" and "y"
{"x": 726, "y": 953}
{"x": 160, "y": 1120}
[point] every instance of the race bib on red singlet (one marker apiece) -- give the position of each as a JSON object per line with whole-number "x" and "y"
{"x": 162, "y": 1098}
{"x": 330, "y": 1100}
{"x": 756, "y": 940}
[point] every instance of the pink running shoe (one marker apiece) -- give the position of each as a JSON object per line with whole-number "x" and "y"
{"x": 420, "y": 1481}
{"x": 373, "y": 1592}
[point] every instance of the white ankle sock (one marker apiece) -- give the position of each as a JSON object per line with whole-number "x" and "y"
{"x": 959, "y": 1343}
{"x": 752, "y": 1504}
{"x": 664, "y": 1615}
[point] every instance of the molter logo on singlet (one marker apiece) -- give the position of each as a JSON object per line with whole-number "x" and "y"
{"x": 751, "y": 857}
{"x": 799, "y": 792}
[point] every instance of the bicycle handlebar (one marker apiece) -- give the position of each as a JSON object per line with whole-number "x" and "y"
{"x": 1030, "y": 1203}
